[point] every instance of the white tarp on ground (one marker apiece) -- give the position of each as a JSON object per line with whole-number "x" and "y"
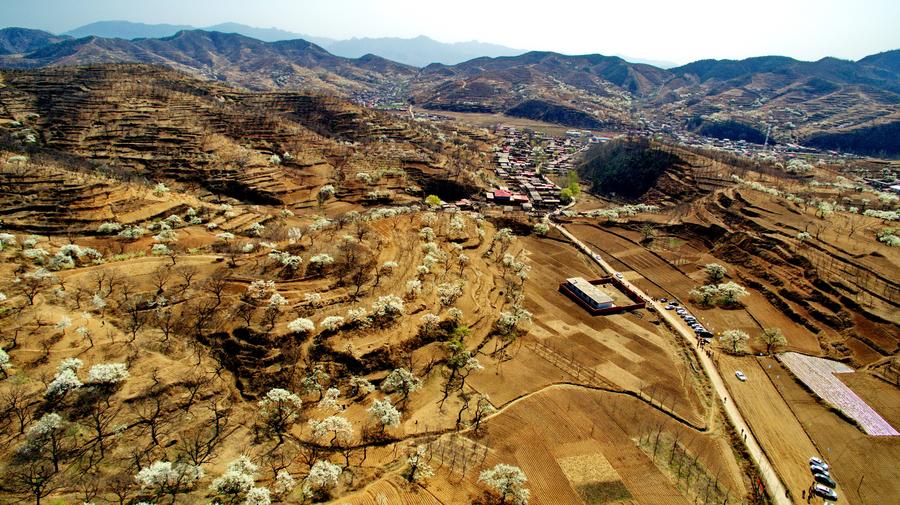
{"x": 818, "y": 375}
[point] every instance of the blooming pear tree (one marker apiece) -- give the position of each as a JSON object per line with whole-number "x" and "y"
{"x": 278, "y": 411}
{"x": 507, "y": 482}
{"x": 323, "y": 477}
{"x": 384, "y": 414}
{"x": 401, "y": 381}
{"x": 417, "y": 467}
{"x": 233, "y": 485}
{"x": 165, "y": 478}
{"x": 734, "y": 340}
{"x": 338, "y": 428}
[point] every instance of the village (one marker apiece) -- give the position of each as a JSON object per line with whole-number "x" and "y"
{"x": 528, "y": 161}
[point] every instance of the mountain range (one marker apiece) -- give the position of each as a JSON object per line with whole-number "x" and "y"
{"x": 802, "y": 100}
{"x": 417, "y": 51}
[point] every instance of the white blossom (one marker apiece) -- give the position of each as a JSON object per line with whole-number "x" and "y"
{"x": 340, "y": 427}
{"x": 332, "y": 323}
{"x": 107, "y": 373}
{"x": 507, "y": 481}
{"x": 257, "y": 496}
{"x": 417, "y": 469}
{"x": 329, "y": 400}
{"x": 168, "y": 476}
{"x": 301, "y": 325}
{"x": 284, "y": 483}
{"x": 362, "y": 385}
{"x": 323, "y": 475}
{"x": 132, "y": 232}
{"x": 4, "y": 361}
{"x": 321, "y": 259}
{"x": 280, "y": 407}
{"x": 259, "y": 289}
{"x": 384, "y": 412}
{"x": 63, "y": 382}
{"x": 401, "y": 380}
{"x": 387, "y": 307}
{"x": 160, "y": 189}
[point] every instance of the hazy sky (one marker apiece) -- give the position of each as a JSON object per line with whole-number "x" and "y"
{"x": 657, "y": 29}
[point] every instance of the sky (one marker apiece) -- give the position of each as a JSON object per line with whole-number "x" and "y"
{"x": 655, "y": 29}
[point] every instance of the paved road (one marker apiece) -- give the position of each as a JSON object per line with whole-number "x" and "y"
{"x": 772, "y": 482}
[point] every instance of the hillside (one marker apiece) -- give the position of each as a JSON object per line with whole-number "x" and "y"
{"x": 798, "y": 98}
{"x": 226, "y": 57}
{"x": 217, "y": 137}
{"x": 24, "y": 40}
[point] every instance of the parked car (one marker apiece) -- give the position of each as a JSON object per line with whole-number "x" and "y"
{"x": 673, "y": 302}
{"x": 669, "y": 307}
{"x": 663, "y": 300}
{"x": 618, "y": 275}
{"x": 825, "y": 479}
{"x": 814, "y": 461}
{"x": 825, "y": 492}
{"x": 740, "y": 375}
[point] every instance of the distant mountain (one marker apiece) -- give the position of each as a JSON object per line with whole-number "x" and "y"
{"x": 419, "y": 51}
{"x": 126, "y": 30}
{"x": 269, "y": 34}
{"x": 130, "y": 30}
{"x": 656, "y": 63}
{"x": 248, "y": 62}
{"x": 24, "y": 40}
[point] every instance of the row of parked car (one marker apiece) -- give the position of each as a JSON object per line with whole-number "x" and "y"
{"x": 824, "y": 485}
{"x": 688, "y": 318}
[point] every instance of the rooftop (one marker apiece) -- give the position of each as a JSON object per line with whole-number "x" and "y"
{"x": 590, "y": 290}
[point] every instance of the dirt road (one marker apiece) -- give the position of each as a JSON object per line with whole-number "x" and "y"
{"x": 771, "y": 479}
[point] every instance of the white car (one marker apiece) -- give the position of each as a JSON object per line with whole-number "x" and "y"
{"x": 818, "y": 462}
{"x": 740, "y": 375}
{"x": 618, "y": 275}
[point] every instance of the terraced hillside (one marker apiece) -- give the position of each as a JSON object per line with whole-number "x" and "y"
{"x": 266, "y": 148}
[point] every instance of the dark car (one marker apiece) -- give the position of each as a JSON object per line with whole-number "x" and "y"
{"x": 826, "y": 479}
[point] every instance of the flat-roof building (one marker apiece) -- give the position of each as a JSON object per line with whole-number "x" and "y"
{"x": 589, "y": 293}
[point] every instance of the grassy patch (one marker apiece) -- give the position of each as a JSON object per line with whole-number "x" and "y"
{"x": 596, "y": 493}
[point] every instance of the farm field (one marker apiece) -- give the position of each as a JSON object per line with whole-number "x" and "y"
{"x": 771, "y": 420}
{"x": 569, "y": 424}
